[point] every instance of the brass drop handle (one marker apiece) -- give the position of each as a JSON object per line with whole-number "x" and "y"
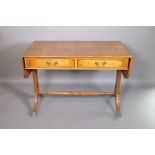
{"x": 55, "y": 63}
{"x": 48, "y": 62}
{"x": 104, "y": 62}
{"x": 96, "y": 63}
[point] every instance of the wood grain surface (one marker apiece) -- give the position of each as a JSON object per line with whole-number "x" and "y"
{"x": 76, "y": 49}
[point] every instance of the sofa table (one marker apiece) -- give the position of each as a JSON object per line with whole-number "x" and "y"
{"x": 76, "y": 55}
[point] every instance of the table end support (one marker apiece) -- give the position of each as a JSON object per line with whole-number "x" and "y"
{"x": 36, "y": 90}
{"x": 117, "y": 93}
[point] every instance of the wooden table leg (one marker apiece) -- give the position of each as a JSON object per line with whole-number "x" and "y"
{"x": 36, "y": 89}
{"x": 117, "y": 92}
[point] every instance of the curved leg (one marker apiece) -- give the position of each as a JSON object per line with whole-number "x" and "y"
{"x": 117, "y": 101}
{"x": 36, "y": 88}
{"x": 35, "y": 106}
{"x": 117, "y": 93}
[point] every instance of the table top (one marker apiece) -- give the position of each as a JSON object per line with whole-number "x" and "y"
{"x": 76, "y": 49}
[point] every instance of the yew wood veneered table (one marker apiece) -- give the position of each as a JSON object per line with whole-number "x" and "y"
{"x": 77, "y": 55}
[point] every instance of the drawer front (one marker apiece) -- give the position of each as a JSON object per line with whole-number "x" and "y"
{"x": 103, "y": 63}
{"x": 49, "y": 63}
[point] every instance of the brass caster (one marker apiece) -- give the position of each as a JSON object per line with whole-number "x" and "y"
{"x": 118, "y": 114}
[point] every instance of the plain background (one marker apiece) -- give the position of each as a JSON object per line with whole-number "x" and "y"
{"x": 139, "y": 40}
{"x": 73, "y": 12}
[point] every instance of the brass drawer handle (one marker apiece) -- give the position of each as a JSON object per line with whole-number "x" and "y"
{"x": 96, "y": 63}
{"x": 48, "y": 62}
{"x": 104, "y": 62}
{"x": 55, "y": 63}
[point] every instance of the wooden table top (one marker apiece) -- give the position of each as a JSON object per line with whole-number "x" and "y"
{"x": 76, "y": 49}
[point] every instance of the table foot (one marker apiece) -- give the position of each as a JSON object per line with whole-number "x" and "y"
{"x": 35, "y": 107}
{"x": 34, "y": 114}
{"x": 117, "y": 101}
{"x": 118, "y": 114}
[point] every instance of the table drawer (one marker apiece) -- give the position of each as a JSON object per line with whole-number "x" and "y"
{"x": 49, "y": 63}
{"x": 107, "y": 63}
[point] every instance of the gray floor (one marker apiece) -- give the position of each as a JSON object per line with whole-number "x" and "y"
{"x": 60, "y": 112}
